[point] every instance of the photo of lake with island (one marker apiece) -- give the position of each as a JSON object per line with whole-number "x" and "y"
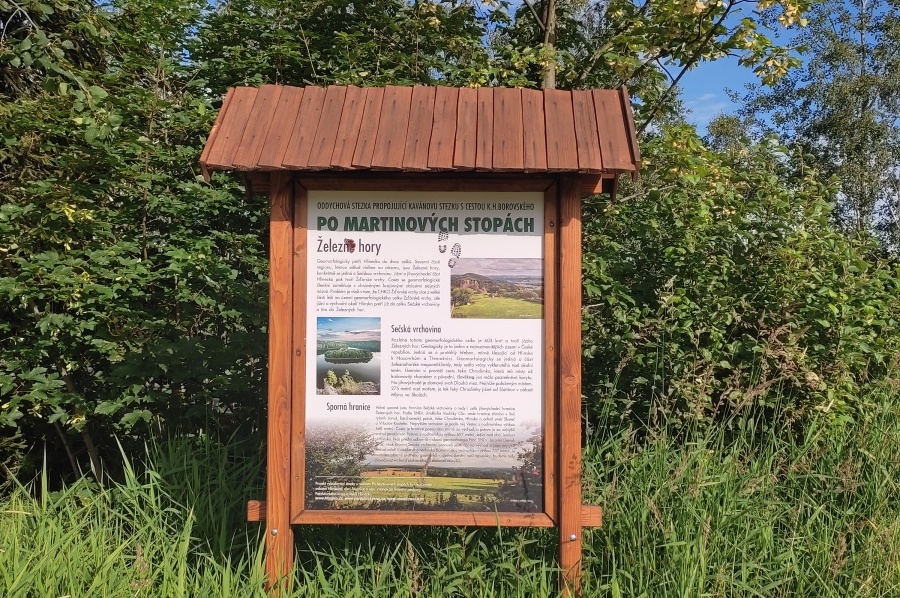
{"x": 348, "y": 356}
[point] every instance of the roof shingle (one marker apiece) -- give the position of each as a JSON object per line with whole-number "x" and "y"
{"x": 423, "y": 129}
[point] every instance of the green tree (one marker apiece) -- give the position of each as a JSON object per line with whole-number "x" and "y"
{"x": 134, "y": 293}
{"x": 843, "y": 109}
{"x": 131, "y": 289}
{"x": 331, "y": 379}
{"x": 553, "y": 43}
{"x": 647, "y": 46}
{"x": 374, "y": 42}
{"x": 460, "y": 296}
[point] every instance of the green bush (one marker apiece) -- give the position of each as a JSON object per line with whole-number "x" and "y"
{"x": 719, "y": 284}
{"x": 132, "y": 294}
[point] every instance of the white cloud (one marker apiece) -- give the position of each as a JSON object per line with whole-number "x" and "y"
{"x": 703, "y": 109}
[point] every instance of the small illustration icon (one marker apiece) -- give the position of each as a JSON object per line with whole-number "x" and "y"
{"x": 455, "y": 251}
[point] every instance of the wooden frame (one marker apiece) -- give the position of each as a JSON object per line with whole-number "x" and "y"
{"x": 284, "y": 503}
{"x": 289, "y": 140}
{"x": 590, "y": 184}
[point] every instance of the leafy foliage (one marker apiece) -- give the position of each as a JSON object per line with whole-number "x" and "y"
{"x": 648, "y": 46}
{"x": 131, "y": 289}
{"x": 720, "y": 285}
{"x": 374, "y": 42}
{"x": 134, "y": 293}
{"x": 843, "y": 108}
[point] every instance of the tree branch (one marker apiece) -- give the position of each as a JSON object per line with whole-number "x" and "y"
{"x": 549, "y": 81}
{"x": 68, "y": 447}
{"x": 18, "y": 10}
{"x": 687, "y": 65}
{"x": 537, "y": 17}
{"x": 599, "y": 52}
{"x": 93, "y": 455}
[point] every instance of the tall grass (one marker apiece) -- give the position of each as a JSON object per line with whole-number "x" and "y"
{"x": 129, "y": 539}
{"x": 754, "y": 511}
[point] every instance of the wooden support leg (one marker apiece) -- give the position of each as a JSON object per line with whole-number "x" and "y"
{"x": 279, "y": 537}
{"x": 570, "y": 386}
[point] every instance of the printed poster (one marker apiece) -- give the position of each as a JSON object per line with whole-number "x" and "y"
{"x": 425, "y": 351}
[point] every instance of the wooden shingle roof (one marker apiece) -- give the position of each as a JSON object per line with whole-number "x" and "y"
{"x": 423, "y": 129}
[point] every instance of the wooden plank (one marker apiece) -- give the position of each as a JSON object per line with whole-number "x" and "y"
{"x": 418, "y": 136}
{"x": 391, "y": 140}
{"x": 562, "y": 154}
{"x": 455, "y": 518}
{"x": 613, "y": 188}
{"x": 594, "y": 184}
{"x": 614, "y": 143}
{"x": 348, "y": 129}
{"x": 323, "y": 141}
{"x": 368, "y": 132}
{"x": 534, "y": 132}
{"x": 484, "y": 140}
{"x": 213, "y": 134}
{"x": 256, "y": 181}
{"x": 443, "y": 133}
{"x": 587, "y": 142}
{"x": 298, "y": 351}
{"x": 231, "y": 130}
{"x": 632, "y": 132}
{"x": 297, "y": 155}
{"x": 423, "y": 182}
{"x": 466, "y": 132}
{"x": 570, "y": 384}
{"x": 279, "y": 537}
{"x": 591, "y": 516}
{"x": 551, "y": 343}
{"x": 551, "y": 340}
{"x": 283, "y": 122}
{"x": 256, "y": 510}
{"x": 509, "y": 140}
{"x": 247, "y": 154}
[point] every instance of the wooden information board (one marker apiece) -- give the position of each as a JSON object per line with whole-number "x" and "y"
{"x": 425, "y": 325}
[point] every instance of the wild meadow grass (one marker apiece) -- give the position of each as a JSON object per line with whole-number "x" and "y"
{"x": 751, "y": 511}
{"x": 739, "y": 510}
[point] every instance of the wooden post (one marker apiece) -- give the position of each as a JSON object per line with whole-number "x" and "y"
{"x": 551, "y": 354}
{"x": 298, "y": 378}
{"x": 569, "y": 470}
{"x": 279, "y": 537}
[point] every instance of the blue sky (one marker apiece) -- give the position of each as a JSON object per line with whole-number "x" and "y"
{"x": 704, "y": 89}
{"x": 348, "y": 329}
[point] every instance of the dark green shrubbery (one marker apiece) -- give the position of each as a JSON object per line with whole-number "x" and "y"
{"x": 719, "y": 284}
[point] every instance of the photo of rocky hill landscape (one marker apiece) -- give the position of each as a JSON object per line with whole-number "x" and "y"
{"x": 497, "y": 288}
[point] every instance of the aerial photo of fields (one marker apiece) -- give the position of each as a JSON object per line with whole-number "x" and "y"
{"x": 441, "y": 489}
